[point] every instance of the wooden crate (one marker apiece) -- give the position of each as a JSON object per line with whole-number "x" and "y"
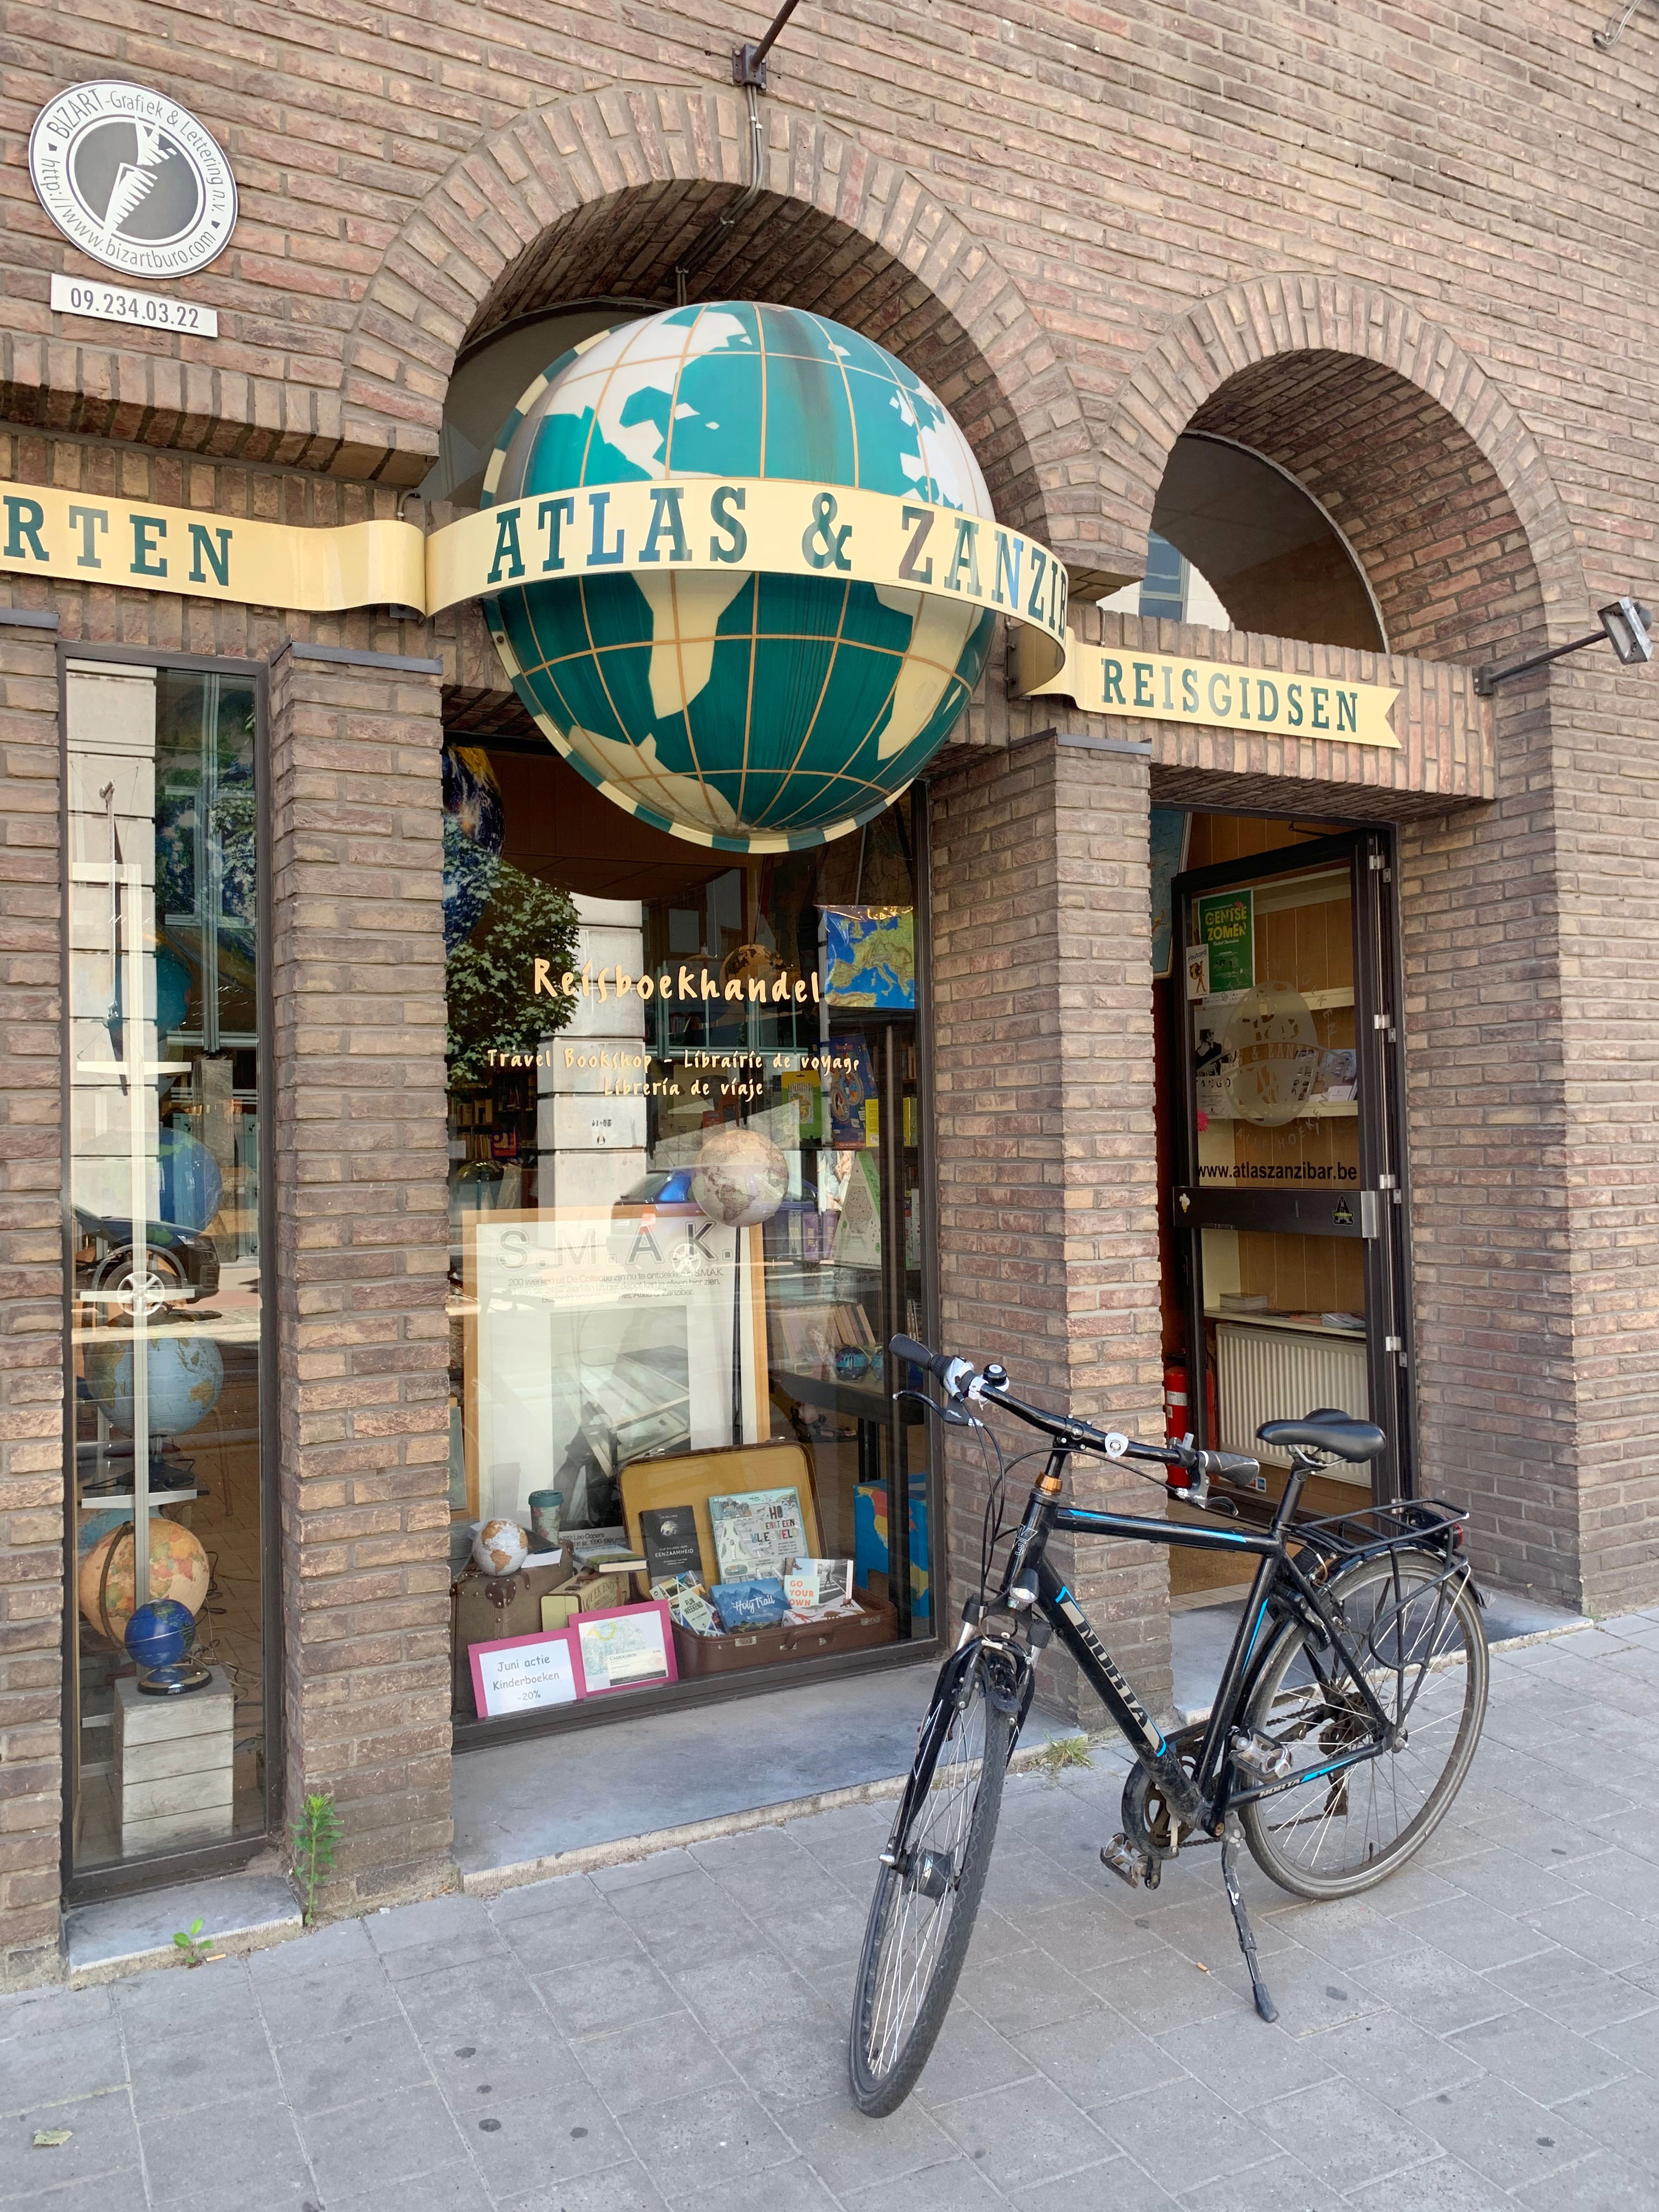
{"x": 174, "y": 1765}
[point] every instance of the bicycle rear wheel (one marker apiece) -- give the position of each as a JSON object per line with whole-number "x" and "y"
{"x": 926, "y": 1900}
{"x": 1417, "y": 1635}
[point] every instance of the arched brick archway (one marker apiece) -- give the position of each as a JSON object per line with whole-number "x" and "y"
{"x": 603, "y": 195}
{"x": 1438, "y": 484}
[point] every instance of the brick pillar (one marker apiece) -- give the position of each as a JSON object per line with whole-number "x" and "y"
{"x": 1481, "y": 924}
{"x": 31, "y": 1306}
{"x": 362, "y": 1254}
{"x": 1048, "y": 1172}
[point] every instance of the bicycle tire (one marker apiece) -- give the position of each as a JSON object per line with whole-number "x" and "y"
{"x": 1418, "y": 1638}
{"x": 898, "y": 2008}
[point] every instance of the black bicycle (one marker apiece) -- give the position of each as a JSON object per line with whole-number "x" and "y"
{"x": 1343, "y": 1724}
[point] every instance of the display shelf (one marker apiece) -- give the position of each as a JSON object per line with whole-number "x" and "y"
{"x": 116, "y": 1499}
{"x": 1284, "y": 1321}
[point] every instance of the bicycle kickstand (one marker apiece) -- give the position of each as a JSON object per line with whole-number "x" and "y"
{"x": 1264, "y": 2003}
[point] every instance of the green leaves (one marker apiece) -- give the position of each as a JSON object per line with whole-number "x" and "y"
{"x": 494, "y": 1006}
{"x": 312, "y": 1837}
{"x": 190, "y": 1942}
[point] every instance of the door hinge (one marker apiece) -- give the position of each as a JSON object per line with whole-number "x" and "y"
{"x": 1388, "y": 1182}
{"x": 1394, "y": 1344}
{"x": 1377, "y": 864}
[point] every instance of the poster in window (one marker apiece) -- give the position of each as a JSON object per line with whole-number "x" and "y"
{"x": 592, "y": 1343}
{"x": 631, "y": 1649}
{"x": 870, "y": 956}
{"x": 1226, "y": 926}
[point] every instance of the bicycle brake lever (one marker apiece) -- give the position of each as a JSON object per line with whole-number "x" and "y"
{"x": 954, "y": 1414}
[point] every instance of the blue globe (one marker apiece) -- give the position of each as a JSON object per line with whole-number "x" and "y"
{"x": 186, "y": 1374}
{"x": 160, "y": 1633}
{"x": 475, "y": 827}
{"x": 762, "y": 712}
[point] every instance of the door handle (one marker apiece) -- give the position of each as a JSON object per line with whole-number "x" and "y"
{"x": 1370, "y": 1213}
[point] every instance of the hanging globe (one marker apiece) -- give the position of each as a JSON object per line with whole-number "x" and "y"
{"x": 761, "y": 711}
{"x": 742, "y": 1178}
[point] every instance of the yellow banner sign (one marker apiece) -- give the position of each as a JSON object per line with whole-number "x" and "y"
{"x": 770, "y": 524}
{"x": 1158, "y": 687}
{"x": 46, "y": 532}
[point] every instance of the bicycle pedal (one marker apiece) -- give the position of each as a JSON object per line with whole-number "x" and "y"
{"x": 1257, "y": 1758}
{"x": 1128, "y": 1864}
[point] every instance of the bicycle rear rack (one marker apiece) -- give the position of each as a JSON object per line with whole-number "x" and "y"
{"x": 1344, "y": 1539}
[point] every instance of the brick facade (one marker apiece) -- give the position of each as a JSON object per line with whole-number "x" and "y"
{"x": 31, "y": 1307}
{"x": 1048, "y": 1186}
{"x": 1399, "y": 255}
{"x": 361, "y": 1252}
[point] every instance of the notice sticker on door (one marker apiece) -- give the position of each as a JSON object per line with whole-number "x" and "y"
{"x": 1226, "y": 929}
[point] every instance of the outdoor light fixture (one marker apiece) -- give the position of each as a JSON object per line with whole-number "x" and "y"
{"x": 1625, "y": 624}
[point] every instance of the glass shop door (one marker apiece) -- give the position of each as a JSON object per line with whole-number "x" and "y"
{"x": 1289, "y": 1205}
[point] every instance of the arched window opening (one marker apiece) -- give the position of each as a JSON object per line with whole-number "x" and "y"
{"x": 1237, "y": 544}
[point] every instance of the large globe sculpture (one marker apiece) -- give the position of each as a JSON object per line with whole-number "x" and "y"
{"x": 761, "y": 711}
{"x": 741, "y": 1179}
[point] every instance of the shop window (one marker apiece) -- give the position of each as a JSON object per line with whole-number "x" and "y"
{"x": 167, "y": 1718}
{"x": 685, "y": 1216}
{"x": 1237, "y": 544}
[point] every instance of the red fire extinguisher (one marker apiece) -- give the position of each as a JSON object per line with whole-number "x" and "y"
{"x": 1175, "y": 1423}
{"x": 1177, "y": 1412}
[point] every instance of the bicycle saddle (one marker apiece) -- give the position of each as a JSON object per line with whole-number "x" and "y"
{"x": 1339, "y": 1434}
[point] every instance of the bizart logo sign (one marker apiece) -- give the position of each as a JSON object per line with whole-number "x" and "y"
{"x": 132, "y": 179}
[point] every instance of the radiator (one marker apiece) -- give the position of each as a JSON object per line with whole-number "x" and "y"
{"x": 1275, "y": 1375}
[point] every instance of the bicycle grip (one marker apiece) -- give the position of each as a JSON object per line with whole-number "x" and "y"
{"x": 939, "y": 1364}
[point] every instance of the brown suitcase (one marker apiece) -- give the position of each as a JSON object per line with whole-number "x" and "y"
{"x": 699, "y": 1656}
{"x": 487, "y": 1608}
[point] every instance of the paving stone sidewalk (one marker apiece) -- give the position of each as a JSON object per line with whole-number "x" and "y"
{"x": 1483, "y": 2031}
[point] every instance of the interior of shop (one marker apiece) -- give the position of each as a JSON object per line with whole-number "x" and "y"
{"x": 167, "y": 1651}
{"x": 685, "y": 1178}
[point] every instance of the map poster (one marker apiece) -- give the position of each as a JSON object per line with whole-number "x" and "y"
{"x": 1226, "y": 926}
{"x": 870, "y": 956}
{"x": 1171, "y": 826}
{"x": 625, "y": 1649}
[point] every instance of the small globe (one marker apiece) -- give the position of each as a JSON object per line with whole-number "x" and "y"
{"x": 741, "y": 1178}
{"x": 186, "y": 1374}
{"x": 765, "y": 712}
{"x": 1272, "y": 1046}
{"x": 501, "y": 1547}
{"x": 160, "y": 1633}
{"x": 179, "y": 1569}
{"x": 474, "y": 828}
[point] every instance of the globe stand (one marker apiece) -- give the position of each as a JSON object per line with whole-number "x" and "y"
{"x": 174, "y": 1682}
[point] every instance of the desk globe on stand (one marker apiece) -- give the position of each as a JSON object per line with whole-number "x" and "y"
{"x": 157, "y": 1639}
{"x": 753, "y": 712}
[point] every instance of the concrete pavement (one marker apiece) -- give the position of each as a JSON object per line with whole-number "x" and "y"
{"x": 1482, "y": 2030}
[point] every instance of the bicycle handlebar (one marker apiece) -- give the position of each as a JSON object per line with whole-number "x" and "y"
{"x": 959, "y": 1379}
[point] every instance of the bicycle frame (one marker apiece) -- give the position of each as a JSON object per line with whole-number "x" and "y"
{"x": 1200, "y": 1798}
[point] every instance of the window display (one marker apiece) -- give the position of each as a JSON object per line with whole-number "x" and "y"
{"x": 168, "y": 1734}
{"x": 685, "y": 1216}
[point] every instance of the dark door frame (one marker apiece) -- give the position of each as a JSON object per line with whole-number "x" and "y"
{"x": 1378, "y": 1211}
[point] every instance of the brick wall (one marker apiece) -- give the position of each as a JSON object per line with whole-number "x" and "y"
{"x": 362, "y": 1254}
{"x": 31, "y": 1307}
{"x": 1047, "y": 1166}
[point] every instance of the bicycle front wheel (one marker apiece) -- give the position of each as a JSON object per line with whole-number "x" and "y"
{"x": 1417, "y": 1635}
{"x": 929, "y": 1891}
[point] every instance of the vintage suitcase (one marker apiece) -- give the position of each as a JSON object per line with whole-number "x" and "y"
{"x": 488, "y": 1607}
{"x": 700, "y": 1656}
